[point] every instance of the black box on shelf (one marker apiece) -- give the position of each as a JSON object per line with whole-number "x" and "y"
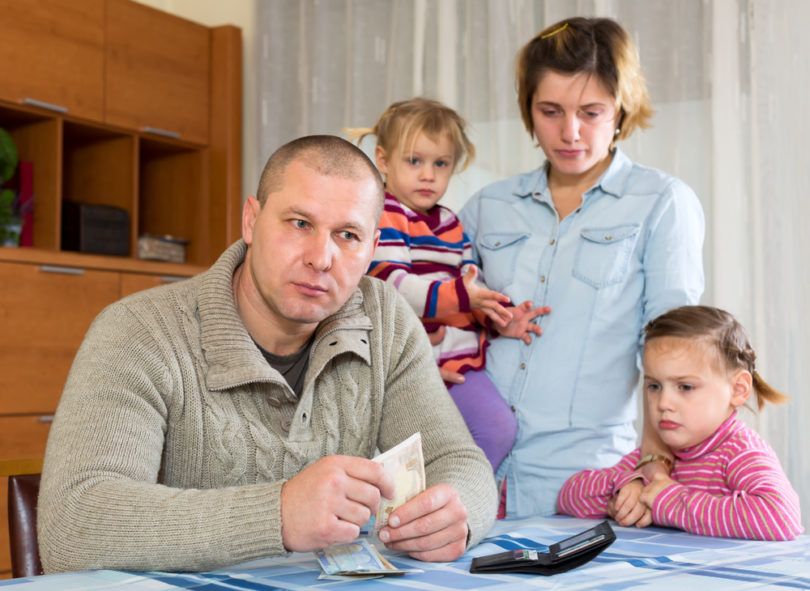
{"x": 92, "y": 228}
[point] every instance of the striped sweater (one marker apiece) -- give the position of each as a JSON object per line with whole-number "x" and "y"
{"x": 424, "y": 256}
{"x": 730, "y": 485}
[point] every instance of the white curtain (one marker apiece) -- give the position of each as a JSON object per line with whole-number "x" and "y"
{"x": 729, "y": 82}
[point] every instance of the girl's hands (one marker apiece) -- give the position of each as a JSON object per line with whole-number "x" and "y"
{"x": 628, "y": 508}
{"x": 486, "y": 300}
{"x": 521, "y": 325}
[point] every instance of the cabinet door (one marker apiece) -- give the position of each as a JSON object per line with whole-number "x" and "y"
{"x": 52, "y": 51}
{"x": 157, "y": 74}
{"x": 44, "y": 315}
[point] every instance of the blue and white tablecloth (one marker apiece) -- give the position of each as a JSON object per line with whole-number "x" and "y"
{"x": 649, "y": 558}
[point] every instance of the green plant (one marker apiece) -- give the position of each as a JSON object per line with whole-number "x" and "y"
{"x": 9, "y": 216}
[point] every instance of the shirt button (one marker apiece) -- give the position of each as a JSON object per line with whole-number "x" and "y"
{"x": 285, "y": 424}
{"x": 273, "y": 401}
{"x": 512, "y": 408}
{"x": 522, "y": 366}
{"x": 543, "y": 279}
{"x": 498, "y": 243}
{"x": 608, "y": 237}
{"x": 552, "y": 241}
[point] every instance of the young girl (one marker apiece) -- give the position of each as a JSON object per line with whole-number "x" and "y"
{"x": 425, "y": 254}
{"x": 725, "y": 480}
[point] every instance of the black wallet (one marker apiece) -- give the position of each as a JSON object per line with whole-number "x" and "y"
{"x": 562, "y": 556}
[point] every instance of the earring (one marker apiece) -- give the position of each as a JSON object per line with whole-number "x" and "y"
{"x": 618, "y": 130}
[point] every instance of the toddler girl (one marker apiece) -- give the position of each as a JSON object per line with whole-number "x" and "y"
{"x": 725, "y": 479}
{"x": 425, "y": 254}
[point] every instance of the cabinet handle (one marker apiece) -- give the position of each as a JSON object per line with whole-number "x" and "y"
{"x": 45, "y": 419}
{"x": 171, "y": 278}
{"x": 63, "y": 270}
{"x": 163, "y": 132}
{"x": 44, "y": 105}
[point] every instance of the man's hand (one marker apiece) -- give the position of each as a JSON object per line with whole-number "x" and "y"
{"x": 521, "y": 325}
{"x": 628, "y": 509}
{"x": 432, "y": 526}
{"x": 328, "y": 501}
{"x": 486, "y": 300}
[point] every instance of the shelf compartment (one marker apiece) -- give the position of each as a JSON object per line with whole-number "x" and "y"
{"x": 173, "y": 194}
{"x": 37, "y": 138}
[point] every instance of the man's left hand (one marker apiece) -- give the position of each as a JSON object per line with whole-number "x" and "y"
{"x": 431, "y": 527}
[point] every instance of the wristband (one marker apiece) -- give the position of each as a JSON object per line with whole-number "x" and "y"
{"x": 648, "y": 459}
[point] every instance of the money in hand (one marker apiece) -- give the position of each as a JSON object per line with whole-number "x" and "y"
{"x": 406, "y": 464}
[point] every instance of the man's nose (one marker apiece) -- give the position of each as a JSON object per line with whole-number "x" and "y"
{"x": 319, "y": 251}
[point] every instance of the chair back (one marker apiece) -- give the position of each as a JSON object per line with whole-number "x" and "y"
{"x": 23, "y": 490}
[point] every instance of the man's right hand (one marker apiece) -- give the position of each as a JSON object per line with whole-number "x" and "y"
{"x": 328, "y": 501}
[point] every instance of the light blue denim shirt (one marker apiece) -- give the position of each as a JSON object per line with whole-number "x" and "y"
{"x": 629, "y": 253}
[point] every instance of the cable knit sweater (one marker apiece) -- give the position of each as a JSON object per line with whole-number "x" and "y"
{"x": 174, "y": 436}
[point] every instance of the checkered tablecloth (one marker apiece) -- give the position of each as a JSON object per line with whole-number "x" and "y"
{"x": 649, "y": 558}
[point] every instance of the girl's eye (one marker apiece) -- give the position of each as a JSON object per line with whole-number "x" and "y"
{"x": 653, "y": 387}
{"x": 687, "y": 387}
{"x": 413, "y": 161}
{"x": 442, "y": 163}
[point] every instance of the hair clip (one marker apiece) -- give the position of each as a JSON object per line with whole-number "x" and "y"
{"x": 554, "y": 32}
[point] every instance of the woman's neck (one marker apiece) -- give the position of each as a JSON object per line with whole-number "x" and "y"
{"x": 567, "y": 189}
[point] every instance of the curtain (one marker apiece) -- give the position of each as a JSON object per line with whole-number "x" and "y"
{"x": 727, "y": 79}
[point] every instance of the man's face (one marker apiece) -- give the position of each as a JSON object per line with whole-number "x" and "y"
{"x": 310, "y": 243}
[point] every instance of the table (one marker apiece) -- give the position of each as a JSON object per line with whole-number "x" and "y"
{"x": 649, "y": 558}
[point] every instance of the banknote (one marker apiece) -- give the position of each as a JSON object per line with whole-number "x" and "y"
{"x": 406, "y": 464}
{"x": 359, "y": 558}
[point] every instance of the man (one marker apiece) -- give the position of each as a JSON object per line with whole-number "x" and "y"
{"x": 231, "y": 416}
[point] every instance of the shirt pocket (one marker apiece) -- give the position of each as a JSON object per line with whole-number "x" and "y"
{"x": 603, "y": 254}
{"x": 499, "y": 252}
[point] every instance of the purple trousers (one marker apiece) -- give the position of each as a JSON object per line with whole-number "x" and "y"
{"x": 488, "y": 417}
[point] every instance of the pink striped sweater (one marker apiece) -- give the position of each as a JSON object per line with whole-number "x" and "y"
{"x": 730, "y": 485}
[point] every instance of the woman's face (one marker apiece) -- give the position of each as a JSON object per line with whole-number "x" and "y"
{"x": 574, "y": 120}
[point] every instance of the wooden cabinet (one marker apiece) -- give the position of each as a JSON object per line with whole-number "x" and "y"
{"x": 123, "y": 74}
{"x": 52, "y": 52}
{"x": 157, "y": 75}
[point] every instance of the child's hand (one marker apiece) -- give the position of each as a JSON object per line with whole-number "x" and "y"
{"x": 447, "y": 375}
{"x": 521, "y": 325}
{"x": 654, "y": 488}
{"x": 486, "y": 300}
{"x": 629, "y": 510}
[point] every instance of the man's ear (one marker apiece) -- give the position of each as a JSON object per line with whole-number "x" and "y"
{"x": 381, "y": 159}
{"x": 250, "y": 211}
{"x": 741, "y": 383}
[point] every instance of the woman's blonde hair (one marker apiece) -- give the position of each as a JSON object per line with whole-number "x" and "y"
{"x": 724, "y": 333}
{"x": 597, "y": 46}
{"x": 402, "y": 122}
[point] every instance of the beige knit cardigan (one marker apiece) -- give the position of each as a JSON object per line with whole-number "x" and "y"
{"x": 173, "y": 435}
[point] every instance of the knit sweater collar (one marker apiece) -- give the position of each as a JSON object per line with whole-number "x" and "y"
{"x": 727, "y": 429}
{"x": 231, "y": 355}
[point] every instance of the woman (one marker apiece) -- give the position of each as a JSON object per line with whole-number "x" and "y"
{"x": 606, "y": 243}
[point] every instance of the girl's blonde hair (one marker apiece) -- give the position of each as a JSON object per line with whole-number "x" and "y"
{"x": 722, "y": 330}
{"x": 402, "y": 122}
{"x": 596, "y": 46}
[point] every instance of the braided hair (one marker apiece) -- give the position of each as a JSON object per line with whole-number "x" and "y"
{"x": 723, "y": 331}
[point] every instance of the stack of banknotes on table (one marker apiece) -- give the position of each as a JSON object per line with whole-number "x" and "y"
{"x": 361, "y": 558}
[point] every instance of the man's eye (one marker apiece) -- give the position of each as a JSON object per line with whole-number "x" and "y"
{"x": 349, "y": 236}
{"x": 301, "y": 224}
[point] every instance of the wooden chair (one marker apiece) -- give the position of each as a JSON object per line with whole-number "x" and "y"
{"x": 23, "y": 490}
